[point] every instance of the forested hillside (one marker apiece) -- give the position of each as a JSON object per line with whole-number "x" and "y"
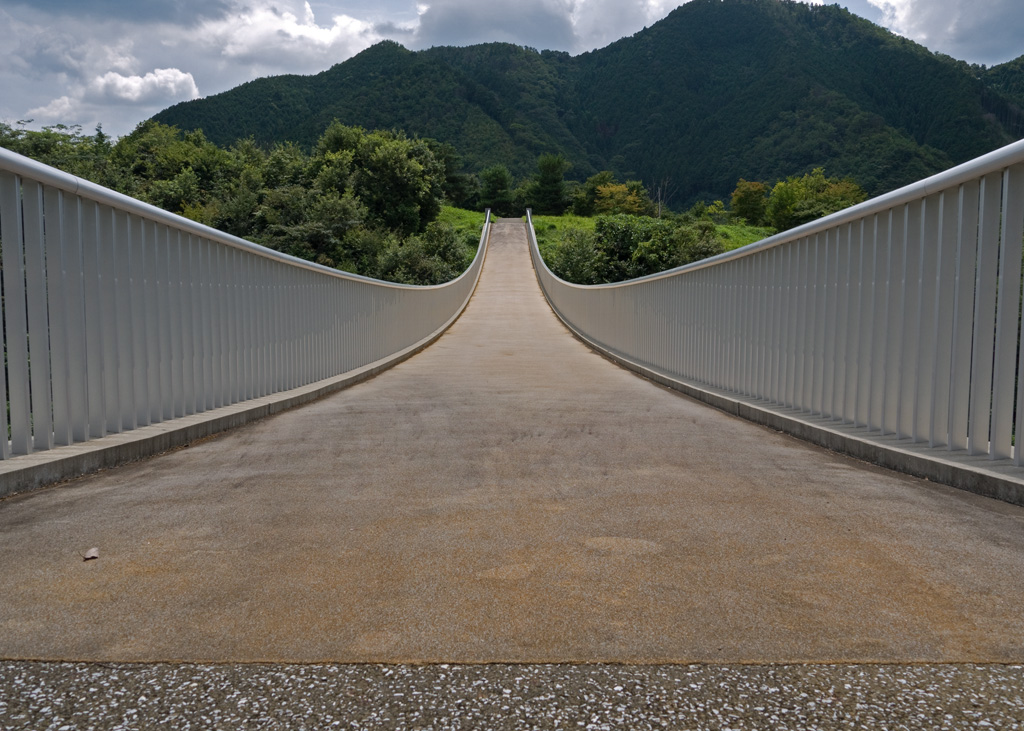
{"x": 718, "y": 90}
{"x": 1008, "y": 79}
{"x": 365, "y": 202}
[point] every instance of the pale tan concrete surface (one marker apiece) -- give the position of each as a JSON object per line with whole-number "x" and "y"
{"x": 507, "y": 495}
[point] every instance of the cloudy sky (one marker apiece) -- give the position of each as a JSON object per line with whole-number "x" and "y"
{"x": 117, "y": 62}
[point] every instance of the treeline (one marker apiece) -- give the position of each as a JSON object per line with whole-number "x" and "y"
{"x": 362, "y": 201}
{"x": 623, "y": 233}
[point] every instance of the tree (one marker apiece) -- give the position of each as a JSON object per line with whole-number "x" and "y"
{"x": 548, "y": 192}
{"x": 798, "y": 200}
{"x": 577, "y": 258}
{"x": 584, "y": 201}
{"x": 496, "y": 190}
{"x": 629, "y": 198}
{"x": 750, "y": 202}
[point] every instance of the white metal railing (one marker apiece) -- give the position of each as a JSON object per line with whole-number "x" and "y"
{"x": 117, "y": 314}
{"x": 900, "y": 315}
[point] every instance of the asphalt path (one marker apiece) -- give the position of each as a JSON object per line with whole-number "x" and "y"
{"x": 509, "y": 496}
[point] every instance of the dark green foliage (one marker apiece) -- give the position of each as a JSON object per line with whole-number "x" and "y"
{"x": 362, "y": 201}
{"x": 547, "y": 194}
{"x": 798, "y": 200}
{"x": 620, "y": 236}
{"x": 750, "y": 202}
{"x": 584, "y": 199}
{"x": 625, "y": 247}
{"x": 496, "y": 190}
{"x": 66, "y": 148}
{"x": 577, "y": 258}
{"x": 718, "y": 90}
{"x": 440, "y": 254}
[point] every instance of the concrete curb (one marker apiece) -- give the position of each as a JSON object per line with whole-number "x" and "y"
{"x": 32, "y": 471}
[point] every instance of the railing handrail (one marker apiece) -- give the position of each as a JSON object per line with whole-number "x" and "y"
{"x": 21, "y": 165}
{"x": 118, "y": 315}
{"x": 988, "y": 163}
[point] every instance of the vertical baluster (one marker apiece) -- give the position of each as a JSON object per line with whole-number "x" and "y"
{"x": 789, "y": 319}
{"x": 966, "y": 276}
{"x": 1007, "y": 316}
{"x": 40, "y": 376}
{"x": 943, "y": 303}
{"x": 881, "y": 322}
{"x": 763, "y": 304}
{"x": 248, "y": 304}
{"x": 819, "y": 315}
{"x": 928, "y": 247}
{"x": 161, "y": 298}
{"x": 96, "y": 355}
{"x": 774, "y": 331}
{"x": 735, "y": 323}
{"x": 232, "y": 360}
{"x": 107, "y": 285}
{"x": 208, "y": 314}
{"x": 218, "y": 319}
{"x": 894, "y": 309}
{"x": 78, "y": 387}
{"x": 868, "y": 304}
{"x": 801, "y": 375}
{"x": 910, "y": 307}
{"x": 842, "y": 294}
{"x": 124, "y": 308}
{"x": 190, "y": 375}
{"x": 985, "y": 314}
{"x": 176, "y": 305}
{"x": 15, "y": 222}
{"x": 855, "y": 303}
{"x": 831, "y": 310}
{"x": 57, "y": 299}
{"x": 152, "y": 297}
{"x": 141, "y": 327}
{"x": 750, "y": 338}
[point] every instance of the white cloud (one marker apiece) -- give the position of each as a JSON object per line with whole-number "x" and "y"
{"x": 155, "y": 90}
{"x": 600, "y": 22}
{"x": 158, "y": 86}
{"x": 59, "y": 109}
{"x": 537, "y": 23}
{"x": 989, "y": 31}
{"x": 920, "y": 21}
{"x": 286, "y": 39}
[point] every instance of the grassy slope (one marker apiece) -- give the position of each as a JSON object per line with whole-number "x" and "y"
{"x": 465, "y": 222}
{"x": 549, "y": 230}
{"x": 734, "y": 235}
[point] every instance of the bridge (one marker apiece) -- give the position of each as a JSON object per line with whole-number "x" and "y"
{"x": 473, "y": 477}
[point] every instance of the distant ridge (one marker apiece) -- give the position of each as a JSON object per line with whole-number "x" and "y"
{"x": 718, "y": 90}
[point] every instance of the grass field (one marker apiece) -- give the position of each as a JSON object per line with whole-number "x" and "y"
{"x": 549, "y": 230}
{"x": 461, "y": 219}
{"x": 735, "y": 236}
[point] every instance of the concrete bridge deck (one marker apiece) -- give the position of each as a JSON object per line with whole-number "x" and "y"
{"x": 509, "y": 496}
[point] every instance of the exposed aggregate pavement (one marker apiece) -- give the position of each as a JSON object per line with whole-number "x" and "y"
{"x": 501, "y": 696}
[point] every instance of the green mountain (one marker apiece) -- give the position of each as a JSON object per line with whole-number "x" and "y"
{"x": 718, "y": 90}
{"x": 1008, "y": 80}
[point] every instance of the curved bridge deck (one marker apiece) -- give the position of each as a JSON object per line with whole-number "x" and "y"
{"x": 509, "y": 496}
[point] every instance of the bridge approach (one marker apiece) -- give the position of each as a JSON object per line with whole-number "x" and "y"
{"x": 508, "y": 495}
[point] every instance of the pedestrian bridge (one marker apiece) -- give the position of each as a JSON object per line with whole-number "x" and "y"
{"x": 469, "y": 482}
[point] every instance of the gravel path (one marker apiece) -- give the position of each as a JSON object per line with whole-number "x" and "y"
{"x": 636, "y": 697}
